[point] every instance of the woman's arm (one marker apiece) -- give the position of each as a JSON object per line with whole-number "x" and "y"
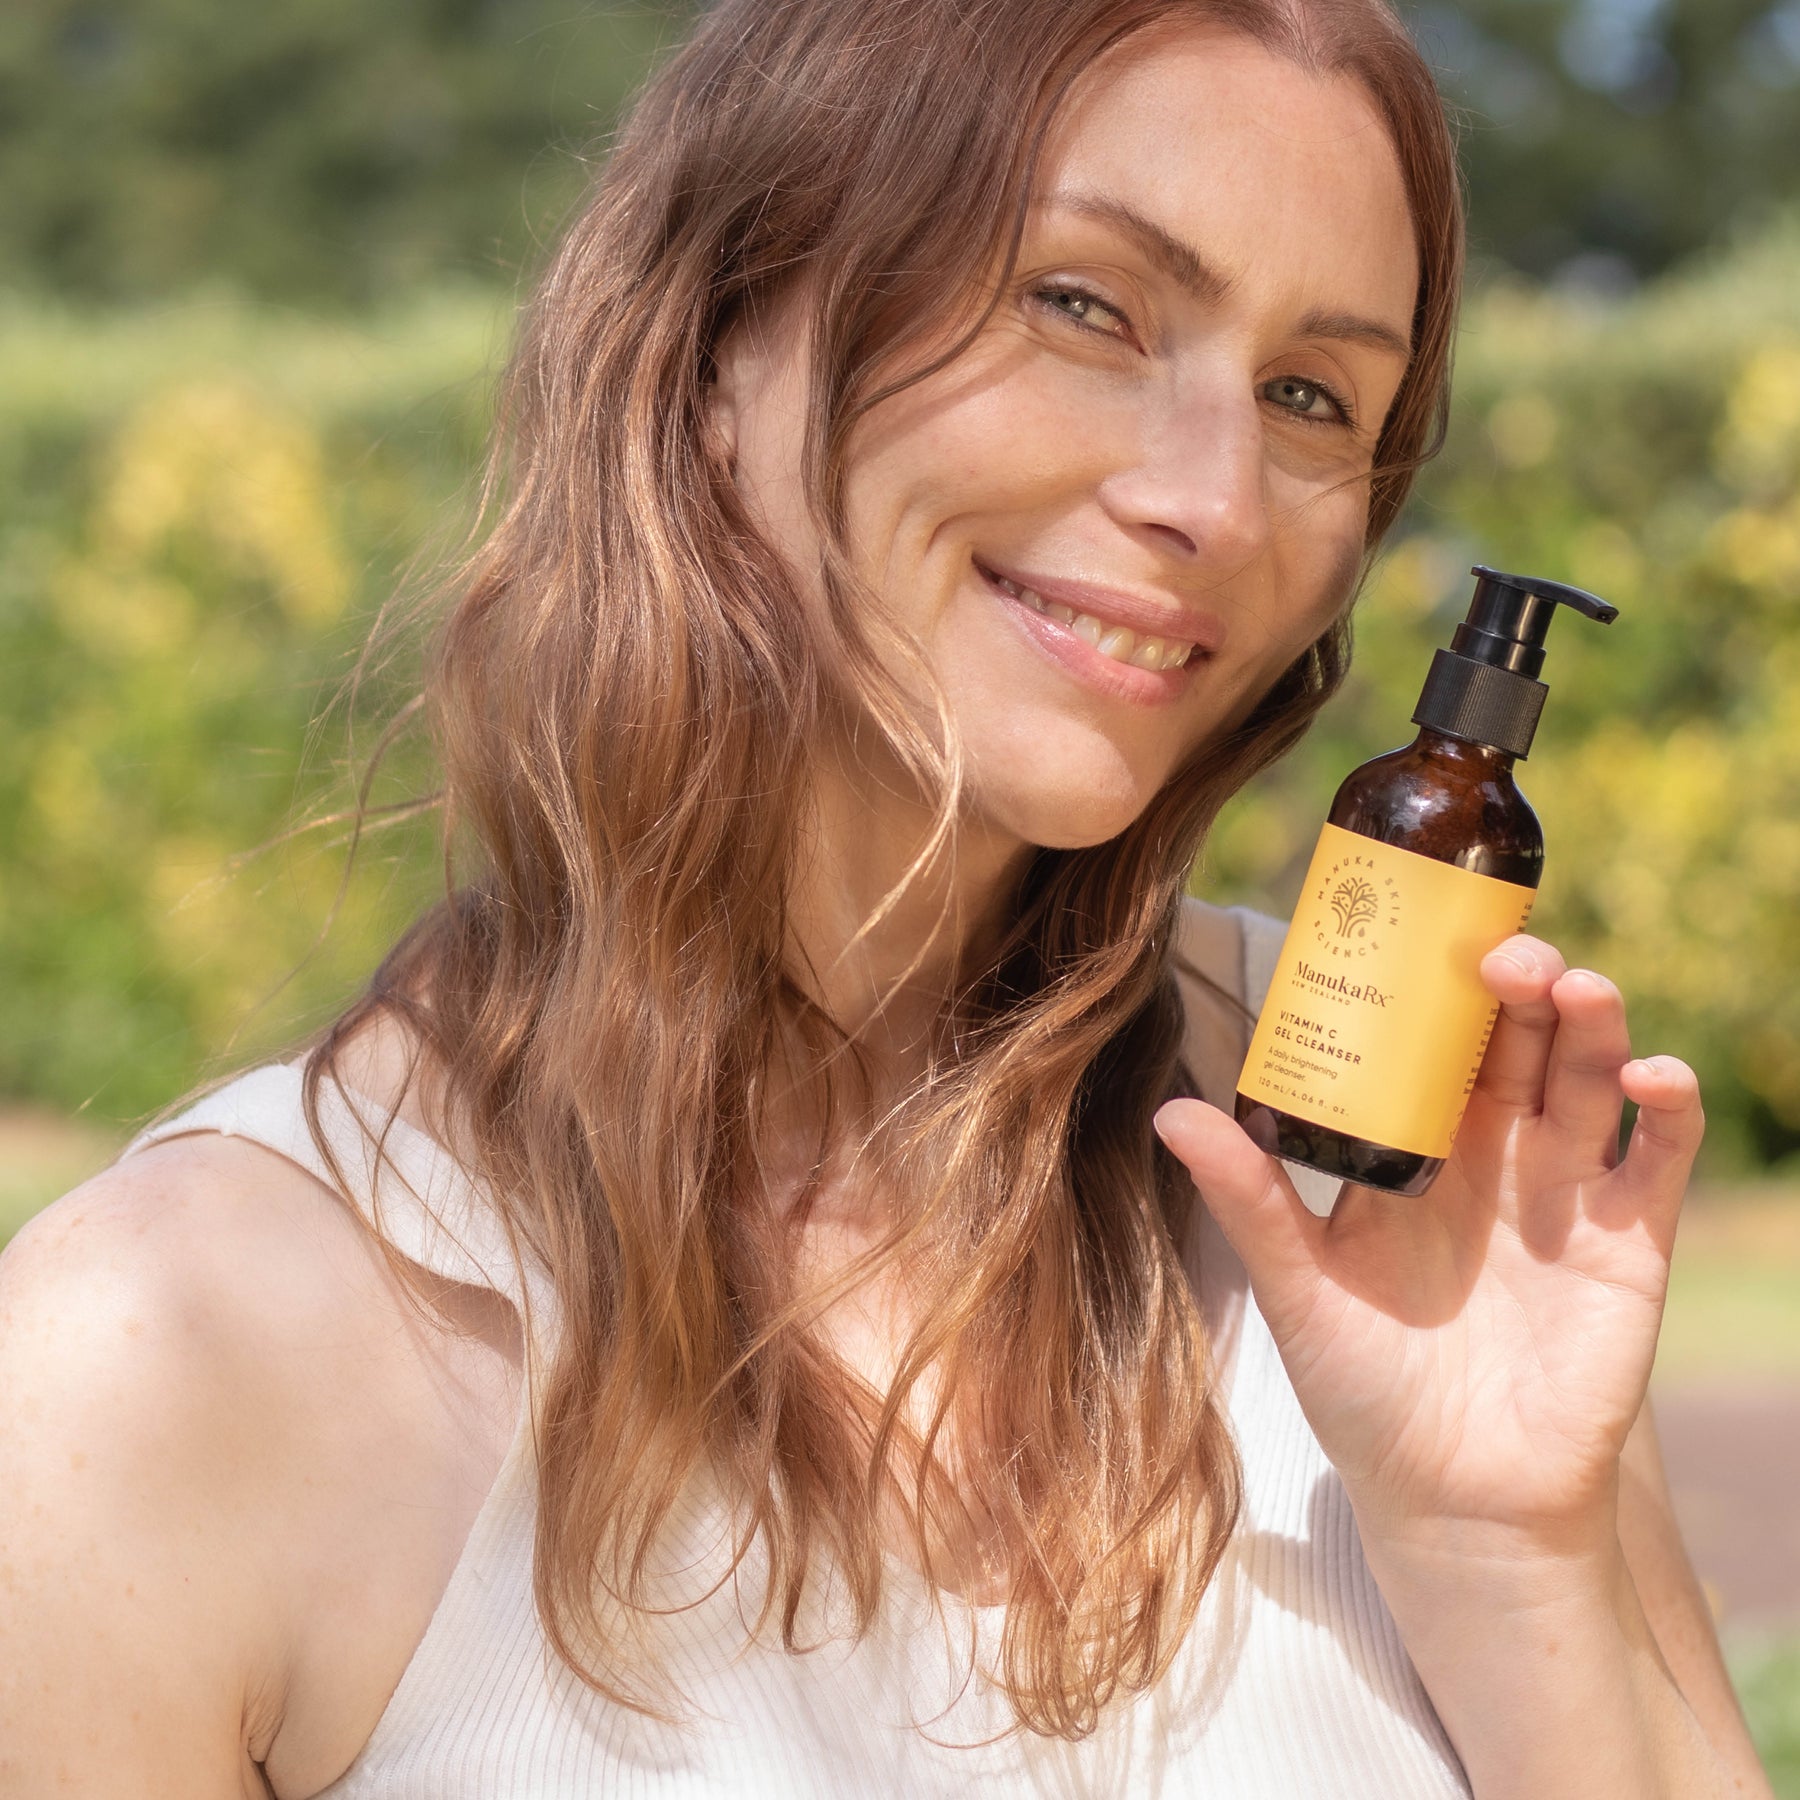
{"x": 1675, "y": 1602}
{"x": 1474, "y": 1363}
{"x": 1548, "y": 1673}
{"x": 134, "y": 1609}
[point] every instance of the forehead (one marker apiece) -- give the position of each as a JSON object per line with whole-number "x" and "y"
{"x": 1284, "y": 179}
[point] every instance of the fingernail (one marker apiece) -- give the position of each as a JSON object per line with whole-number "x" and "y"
{"x": 1165, "y": 1120}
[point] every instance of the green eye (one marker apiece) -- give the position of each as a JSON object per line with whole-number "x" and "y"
{"x": 1080, "y": 307}
{"x": 1301, "y": 396}
{"x": 1308, "y": 400}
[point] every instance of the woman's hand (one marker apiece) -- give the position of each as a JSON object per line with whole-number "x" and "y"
{"x": 1474, "y": 1357}
{"x": 1471, "y": 1362}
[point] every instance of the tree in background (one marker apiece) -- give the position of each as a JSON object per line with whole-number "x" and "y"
{"x": 315, "y": 151}
{"x": 333, "y": 150}
{"x": 1606, "y": 139}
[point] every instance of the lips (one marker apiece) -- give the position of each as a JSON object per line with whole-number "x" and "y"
{"x": 1126, "y": 628}
{"x": 1092, "y": 642}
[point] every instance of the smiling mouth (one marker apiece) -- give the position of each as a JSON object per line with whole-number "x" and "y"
{"x": 1136, "y": 649}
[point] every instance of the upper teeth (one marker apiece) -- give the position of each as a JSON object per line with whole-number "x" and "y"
{"x": 1110, "y": 640}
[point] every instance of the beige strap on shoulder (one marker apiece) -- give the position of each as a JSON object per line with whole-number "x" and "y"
{"x": 1224, "y": 960}
{"x": 1213, "y": 971}
{"x": 1209, "y": 971}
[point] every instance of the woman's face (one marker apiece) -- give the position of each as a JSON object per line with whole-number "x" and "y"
{"x": 1142, "y": 491}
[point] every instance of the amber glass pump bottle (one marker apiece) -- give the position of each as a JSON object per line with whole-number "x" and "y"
{"x": 1375, "y": 1022}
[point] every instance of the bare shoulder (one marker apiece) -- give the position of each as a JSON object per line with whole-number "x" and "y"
{"x": 203, "y": 1257}
{"x": 204, "y": 1232}
{"x": 144, "y": 1400}
{"x": 212, "y": 1397}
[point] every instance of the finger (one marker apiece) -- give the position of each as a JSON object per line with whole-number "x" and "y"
{"x": 1520, "y": 974}
{"x": 1667, "y": 1135}
{"x": 1582, "y": 1095}
{"x": 1264, "y": 1220}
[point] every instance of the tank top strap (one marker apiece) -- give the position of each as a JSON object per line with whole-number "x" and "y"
{"x": 1225, "y": 958}
{"x": 402, "y": 1181}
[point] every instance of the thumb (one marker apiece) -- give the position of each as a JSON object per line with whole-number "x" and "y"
{"x": 1277, "y": 1237}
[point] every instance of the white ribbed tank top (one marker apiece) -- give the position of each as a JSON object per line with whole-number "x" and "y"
{"x": 1293, "y": 1681}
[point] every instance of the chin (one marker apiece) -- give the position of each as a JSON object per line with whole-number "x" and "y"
{"x": 1073, "y": 816}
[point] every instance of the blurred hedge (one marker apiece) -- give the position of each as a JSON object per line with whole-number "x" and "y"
{"x": 200, "y": 508}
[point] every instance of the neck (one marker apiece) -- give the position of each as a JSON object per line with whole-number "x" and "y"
{"x": 887, "y": 983}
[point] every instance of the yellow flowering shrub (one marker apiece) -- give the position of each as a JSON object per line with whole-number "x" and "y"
{"x": 201, "y": 508}
{"x": 195, "y": 529}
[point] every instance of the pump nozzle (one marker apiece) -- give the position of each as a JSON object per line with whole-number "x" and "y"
{"x": 1484, "y": 687}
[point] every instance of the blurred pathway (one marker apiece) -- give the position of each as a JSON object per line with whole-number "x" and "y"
{"x": 1733, "y": 1455}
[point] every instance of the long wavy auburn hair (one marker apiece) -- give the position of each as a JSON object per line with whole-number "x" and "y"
{"x": 626, "y": 691}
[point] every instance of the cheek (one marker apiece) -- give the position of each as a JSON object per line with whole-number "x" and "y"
{"x": 1336, "y": 564}
{"x": 1319, "y": 547}
{"x": 989, "y": 435}
{"x": 1312, "y": 576}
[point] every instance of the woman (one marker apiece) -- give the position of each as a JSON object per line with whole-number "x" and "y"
{"x": 934, "y": 475}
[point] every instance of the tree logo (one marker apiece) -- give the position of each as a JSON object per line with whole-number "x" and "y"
{"x": 1355, "y": 904}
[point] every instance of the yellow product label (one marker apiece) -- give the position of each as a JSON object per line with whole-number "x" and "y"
{"x": 1376, "y": 1019}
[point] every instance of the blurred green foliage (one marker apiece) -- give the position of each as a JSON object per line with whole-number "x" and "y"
{"x": 333, "y": 152}
{"x": 319, "y": 150}
{"x": 200, "y": 510}
{"x": 202, "y": 506}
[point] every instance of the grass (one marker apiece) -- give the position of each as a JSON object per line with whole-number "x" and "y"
{"x": 1734, "y": 1288}
{"x": 1766, "y": 1671}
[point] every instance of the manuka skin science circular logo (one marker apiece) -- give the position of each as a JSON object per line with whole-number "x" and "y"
{"x": 1355, "y": 906}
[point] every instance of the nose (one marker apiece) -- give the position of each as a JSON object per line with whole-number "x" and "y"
{"x": 1196, "y": 486}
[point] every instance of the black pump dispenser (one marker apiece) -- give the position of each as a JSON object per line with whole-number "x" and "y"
{"x": 1484, "y": 688}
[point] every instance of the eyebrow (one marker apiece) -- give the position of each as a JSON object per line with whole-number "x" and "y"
{"x": 1187, "y": 268}
{"x": 1349, "y": 328}
{"x": 1180, "y": 261}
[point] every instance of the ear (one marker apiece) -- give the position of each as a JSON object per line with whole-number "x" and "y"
{"x": 724, "y": 388}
